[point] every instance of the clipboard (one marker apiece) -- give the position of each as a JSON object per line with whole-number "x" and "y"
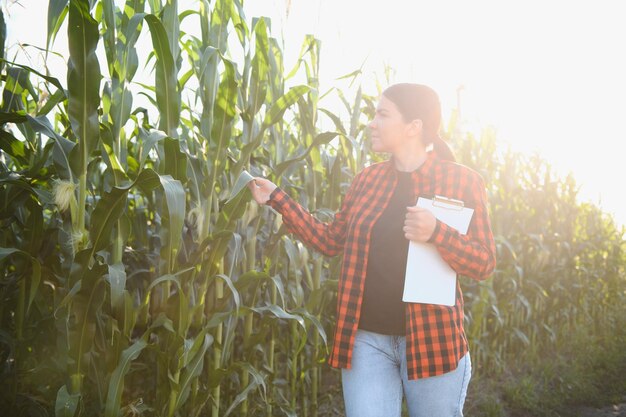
{"x": 429, "y": 279}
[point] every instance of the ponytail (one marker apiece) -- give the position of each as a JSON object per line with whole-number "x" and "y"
{"x": 442, "y": 149}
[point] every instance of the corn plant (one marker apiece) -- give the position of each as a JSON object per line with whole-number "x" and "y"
{"x": 560, "y": 262}
{"x": 152, "y": 259}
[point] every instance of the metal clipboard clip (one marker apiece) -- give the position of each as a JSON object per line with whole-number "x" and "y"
{"x": 438, "y": 200}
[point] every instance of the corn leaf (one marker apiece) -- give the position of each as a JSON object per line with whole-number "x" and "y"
{"x": 34, "y": 277}
{"x": 117, "y": 282}
{"x": 321, "y": 139}
{"x": 193, "y": 365}
{"x": 13, "y": 147}
{"x": 57, "y": 10}
{"x": 111, "y": 206}
{"x": 52, "y": 80}
{"x": 283, "y": 103}
{"x": 116, "y": 383}
{"x": 175, "y": 161}
{"x": 83, "y": 78}
{"x": 173, "y": 223}
{"x": 167, "y": 97}
{"x": 66, "y": 403}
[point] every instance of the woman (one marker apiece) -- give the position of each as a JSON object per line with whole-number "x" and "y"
{"x": 386, "y": 347}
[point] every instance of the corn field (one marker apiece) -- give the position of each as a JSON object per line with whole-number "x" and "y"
{"x": 138, "y": 277}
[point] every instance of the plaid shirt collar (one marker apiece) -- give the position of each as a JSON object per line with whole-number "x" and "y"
{"x": 423, "y": 172}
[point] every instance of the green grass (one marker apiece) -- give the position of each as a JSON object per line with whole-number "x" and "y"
{"x": 589, "y": 372}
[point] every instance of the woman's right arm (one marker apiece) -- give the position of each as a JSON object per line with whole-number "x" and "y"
{"x": 325, "y": 237}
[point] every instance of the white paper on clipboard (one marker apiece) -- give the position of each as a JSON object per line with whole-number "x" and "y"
{"x": 429, "y": 279}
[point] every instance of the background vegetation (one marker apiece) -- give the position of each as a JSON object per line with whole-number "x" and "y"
{"x": 138, "y": 277}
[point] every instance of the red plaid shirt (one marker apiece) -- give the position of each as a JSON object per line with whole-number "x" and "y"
{"x": 435, "y": 339}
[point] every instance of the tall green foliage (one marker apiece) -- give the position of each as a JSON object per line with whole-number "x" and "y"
{"x": 138, "y": 276}
{"x": 561, "y": 262}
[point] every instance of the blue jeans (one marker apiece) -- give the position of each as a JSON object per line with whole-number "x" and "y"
{"x": 374, "y": 385}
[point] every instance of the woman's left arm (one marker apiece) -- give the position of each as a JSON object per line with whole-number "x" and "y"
{"x": 472, "y": 254}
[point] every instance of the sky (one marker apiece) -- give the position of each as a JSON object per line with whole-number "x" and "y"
{"x": 549, "y": 76}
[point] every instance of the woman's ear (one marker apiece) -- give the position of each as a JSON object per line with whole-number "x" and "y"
{"x": 415, "y": 127}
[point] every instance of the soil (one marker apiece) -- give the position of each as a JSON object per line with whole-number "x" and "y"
{"x": 618, "y": 410}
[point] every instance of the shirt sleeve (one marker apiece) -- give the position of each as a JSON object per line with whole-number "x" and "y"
{"x": 325, "y": 237}
{"x": 472, "y": 254}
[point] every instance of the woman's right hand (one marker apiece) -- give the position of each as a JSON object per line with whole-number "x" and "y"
{"x": 261, "y": 189}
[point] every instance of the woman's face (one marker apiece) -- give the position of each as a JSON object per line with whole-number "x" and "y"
{"x": 388, "y": 129}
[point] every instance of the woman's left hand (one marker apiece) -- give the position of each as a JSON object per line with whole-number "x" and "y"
{"x": 419, "y": 224}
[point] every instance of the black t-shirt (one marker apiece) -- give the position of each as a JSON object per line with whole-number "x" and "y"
{"x": 382, "y": 308}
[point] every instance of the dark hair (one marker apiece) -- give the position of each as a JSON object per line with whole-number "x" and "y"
{"x": 417, "y": 101}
